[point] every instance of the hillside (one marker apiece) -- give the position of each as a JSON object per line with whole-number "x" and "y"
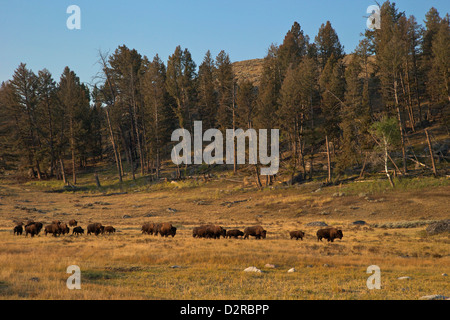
{"x": 249, "y": 70}
{"x": 252, "y": 69}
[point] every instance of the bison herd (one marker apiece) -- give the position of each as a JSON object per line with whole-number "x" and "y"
{"x": 57, "y": 228}
{"x": 164, "y": 229}
{"x": 209, "y": 231}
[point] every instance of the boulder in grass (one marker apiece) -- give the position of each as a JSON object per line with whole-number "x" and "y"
{"x": 252, "y": 269}
{"x": 439, "y": 227}
{"x": 317, "y": 224}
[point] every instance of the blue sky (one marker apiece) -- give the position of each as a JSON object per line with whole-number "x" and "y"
{"x": 35, "y": 32}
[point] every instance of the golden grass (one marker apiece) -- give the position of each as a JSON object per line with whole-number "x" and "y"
{"x": 129, "y": 265}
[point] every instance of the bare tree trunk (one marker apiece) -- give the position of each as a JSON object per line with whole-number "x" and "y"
{"x": 328, "y": 159}
{"x": 361, "y": 174}
{"x": 392, "y": 161}
{"x": 416, "y": 81}
{"x": 63, "y": 172}
{"x": 72, "y": 148}
{"x": 113, "y": 143}
{"x": 133, "y": 175}
{"x": 385, "y": 163}
{"x": 431, "y": 153}
{"x": 234, "y": 128}
{"x": 400, "y": 124}
{"x": 405, "y": 168}
{"x": 141, "y": 156}
{"x": 258, "y": 180}
{"x": 38, "y": 170}
{"x": 409, "y": 99}
{"x": 158, "y": 164}
{"x": 97, "y": 180}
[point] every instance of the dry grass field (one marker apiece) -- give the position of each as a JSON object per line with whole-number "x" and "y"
{"x": 130, "y": 265}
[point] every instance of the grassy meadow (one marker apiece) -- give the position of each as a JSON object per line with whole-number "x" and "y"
{"x": 130, "y": 265}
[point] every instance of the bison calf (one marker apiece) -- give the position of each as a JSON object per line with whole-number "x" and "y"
{"x": 73, "y": 223}
{"x": 234, "y": 234}
{"x": 110, "y": 229}
{"x": 78, "y": 231}
{"x": 297, "y": 234}
{"x": 18, "y": 230}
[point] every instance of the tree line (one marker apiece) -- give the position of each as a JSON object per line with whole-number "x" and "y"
{"x": 319, "y": 97}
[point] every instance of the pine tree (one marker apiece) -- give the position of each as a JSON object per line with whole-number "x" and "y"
{"x": 391, "y": 52}
{"x": 48, "y": 111}
{"x": 23, "y": 102}
{"x": 268, "y": 91}
{"x": 207, "y": 94}
{"x": 332, "y": 86}
{"x": 181, "y": 85}
{"x": 74, "y": 99}
{"x": 351, "y": 114}
{"x": 328, "y": 44}
{"x": 159, "y": 119}
{"x": 125, "y": 65}
{"x": 226, "y": 91}
{"x": 293, "y": 49}
{"x": 296, "y": 112}
{"x": 245, "y": 104}
{"x": 439, "y": 75}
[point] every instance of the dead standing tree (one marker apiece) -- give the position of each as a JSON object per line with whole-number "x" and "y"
{"x": 112, "y": 100}
{"x": 386, "y": 130}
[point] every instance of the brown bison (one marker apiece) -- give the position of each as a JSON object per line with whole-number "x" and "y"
{"x": 64, "y": 228}
{"x": 215, "y": 232}
{"x": 18, "y": 230}
{"x": 95, "y": 228}
{"x": 77, "y": 231}
{"x": 329, "y": 233}
{"x": 257, "y": 231}
{"x": 166, "y": 229}
{"x": 38, "y": 225}
{"x": 199, "y": 232}
{"x": 53, "y": 229}
{"x": 234, "y": 234}
{"x": 110, "y": 229}
{"x": 149, "y": 228}
{"x": 297, "y": 234}
{"x": 31, "y": 229}
{"x": 209, "y": 231}
{"x": 73, "y": 223}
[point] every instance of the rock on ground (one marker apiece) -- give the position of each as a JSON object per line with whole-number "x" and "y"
{"x": 317, "y": 224}
{"x": 439, "y": 227}
{"x": 252, "y": 269}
